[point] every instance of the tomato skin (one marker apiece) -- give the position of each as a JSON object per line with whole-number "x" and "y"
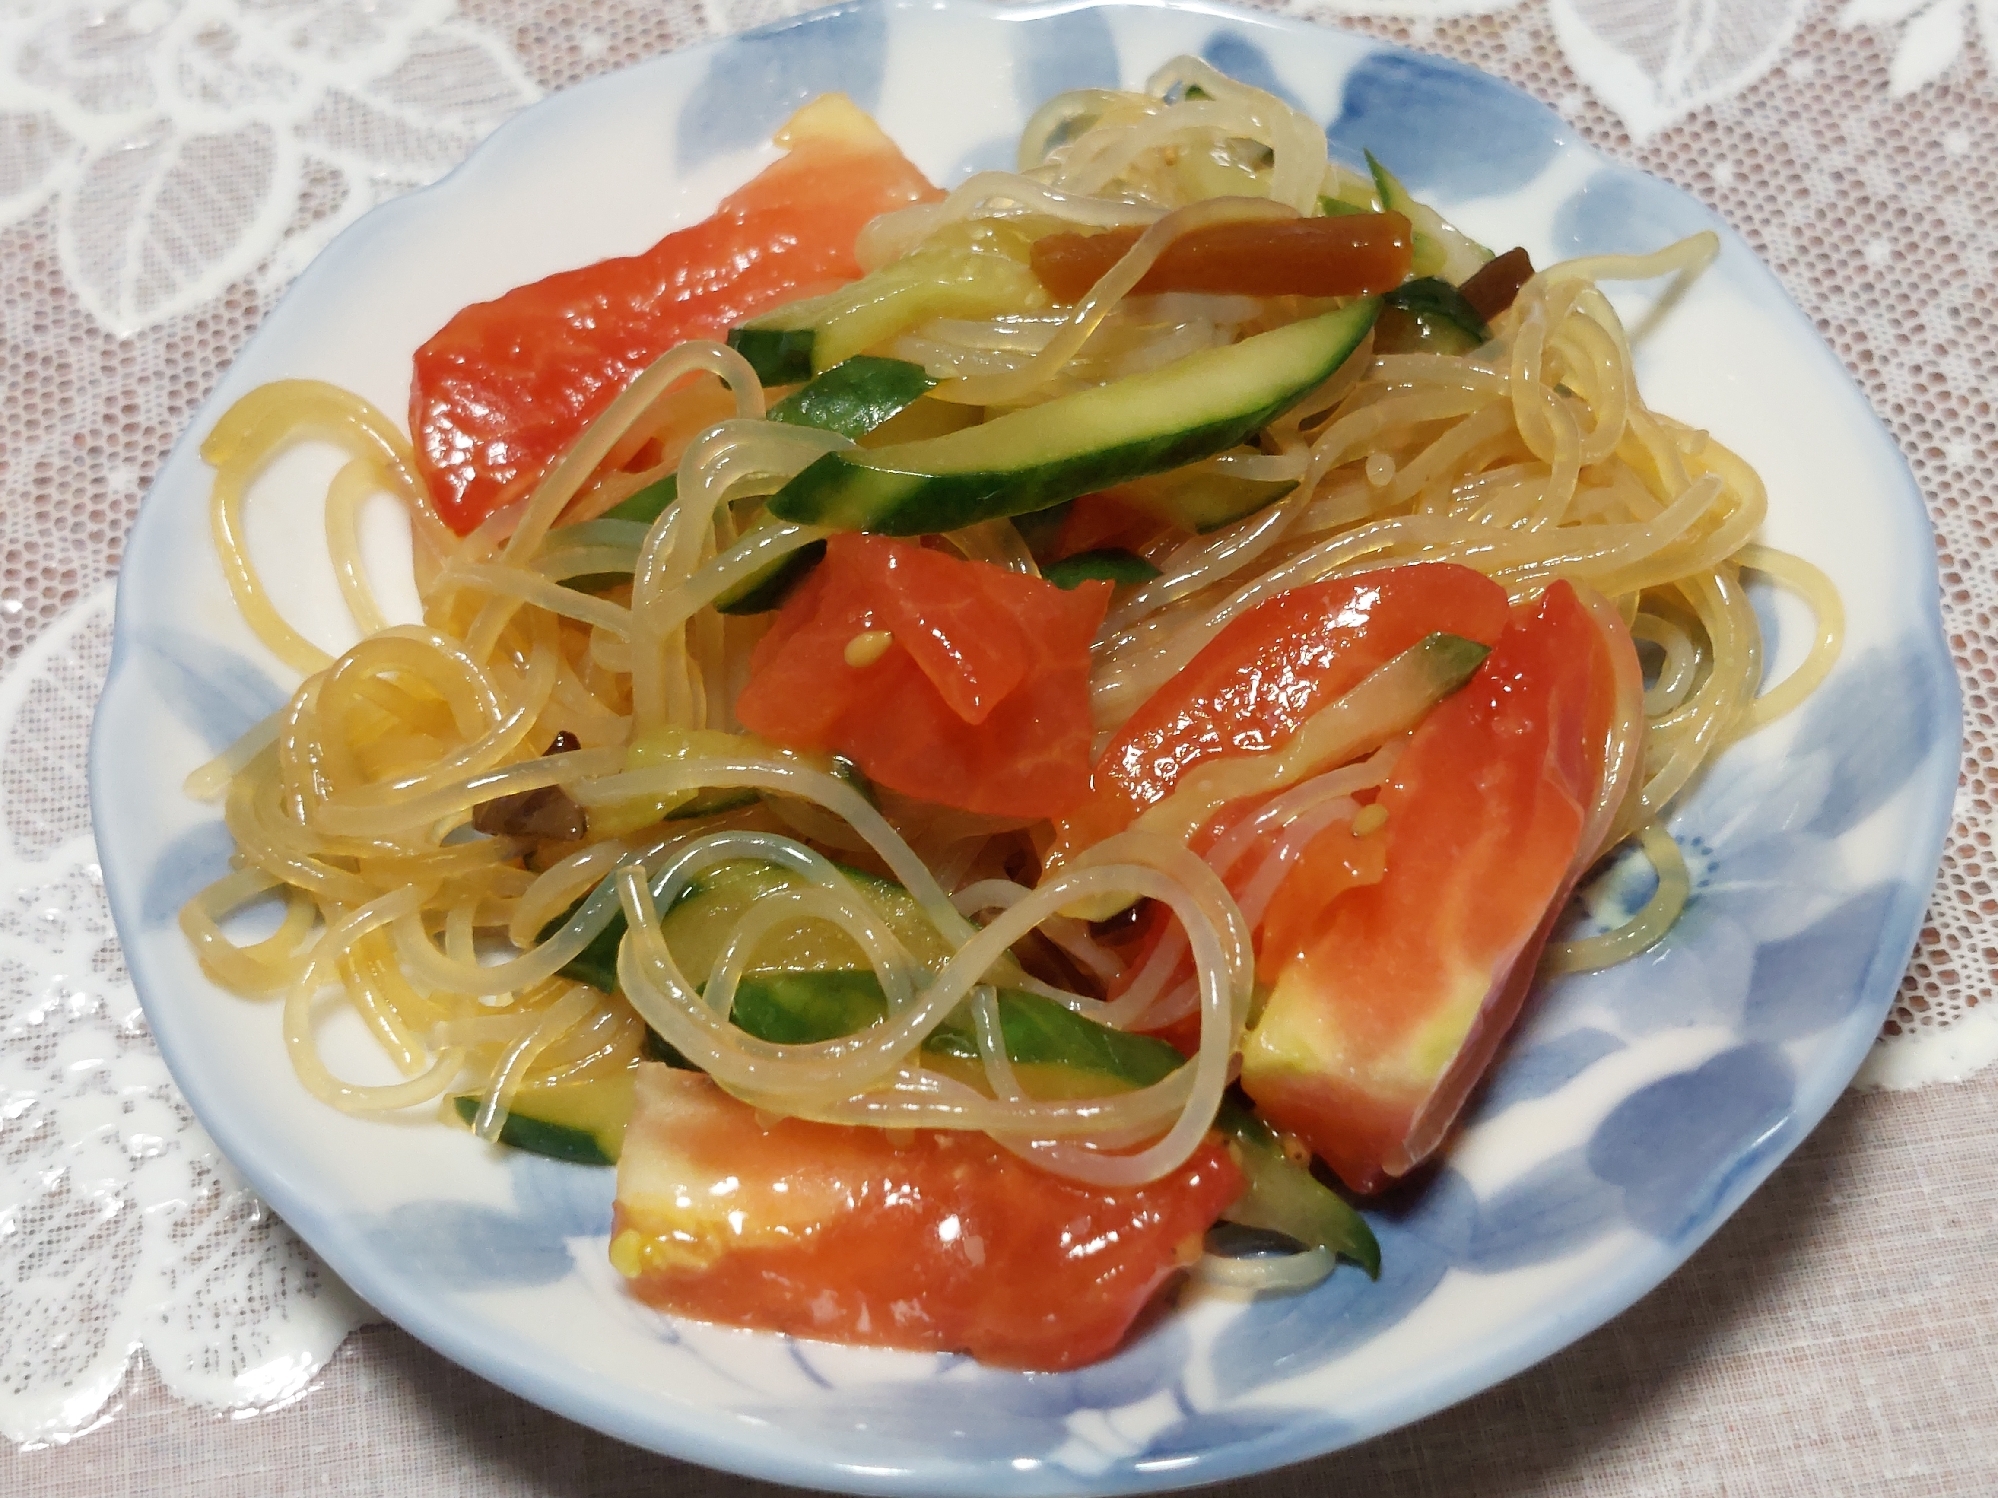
{"x": 945, "y": 1243}
{"x": 1254, "y": 684}
{"x": 980, "y": 700}
{"x": 507, "y": 386}
{"x": 1376, "y": 1032}
{"x": 1104, "y": 519}
{"x": 1335, "y": 861}
{"x": 1359, "y": 254}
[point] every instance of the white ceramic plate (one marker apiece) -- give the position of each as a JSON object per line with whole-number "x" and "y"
{"x": 1635, "y": 1109}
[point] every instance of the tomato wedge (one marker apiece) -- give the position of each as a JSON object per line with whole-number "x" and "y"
{"x": 1377, "y": 1029}
{"x": 1356, "y": 254}
{"x": 945, "y": 1243}
{"x": 1257, "y": 681}
{"x": 507, "y": 386}
{"x": 954, "y": 681}
{"x": 1338, "y": 859}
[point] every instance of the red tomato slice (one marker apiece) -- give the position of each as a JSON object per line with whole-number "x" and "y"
{"x": 946, "y": 1243}
{"x": 980, "y": 698}
{"x": 507, "y": 386}
{"x": 1258, "y": 680}
{"x": 1375, "y": 1033}
{"x": 1104, "y": 519}
{"x": 1335, "y": 861}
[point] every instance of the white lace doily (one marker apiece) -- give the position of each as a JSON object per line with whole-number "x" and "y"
{"x": 121, "y": 1228}
{"x": 167, "y": 165}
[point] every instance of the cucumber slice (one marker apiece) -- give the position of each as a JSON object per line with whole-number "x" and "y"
{"x": 806, "y": 1007}
{"x": 1441, "y": 249}
{"x": 1038, "y": 1031}
{"x": 799, "y": 1008}
{"x": 1388, "y": 701}
{"x": 852, "y": 398}
{"x": 667, "y": 746}
{"x": 1431, "y": 316}
{"x": 972, "y": 269}
{"x": 1027, "y": 460}
{"x": 1111, "y": 565}
{"x": 922, "y": 420}
{"x": 855, "y": 396}
{"x": 1430, "y": 252}
{"x": 647, "y": 504}
{"x": 780, "y": 356}
{"x": 583, "y": 1122}
{"x": 1203, "y": 499}
{"x": 701, "y": 920}
{"x": 767, "y": 587}
{"x": 699, "y": 924}
{"x": 1286, "y": 1198}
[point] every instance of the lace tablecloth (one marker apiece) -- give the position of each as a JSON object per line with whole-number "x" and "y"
{"x": 167, "y": 165}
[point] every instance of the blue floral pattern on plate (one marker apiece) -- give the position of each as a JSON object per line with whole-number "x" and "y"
{"x": 1635, "y": 1108}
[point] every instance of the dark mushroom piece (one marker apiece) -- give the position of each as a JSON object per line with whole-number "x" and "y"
{"x": 542, "y": 814}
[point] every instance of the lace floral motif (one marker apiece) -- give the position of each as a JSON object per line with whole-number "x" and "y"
{"x": 1655, "y": 64}
{"x": 1651, "y": 61}
{"x": 1932, "y": 36}
{"x": 120, "y": 1226}
{"x": 188, "y": 143}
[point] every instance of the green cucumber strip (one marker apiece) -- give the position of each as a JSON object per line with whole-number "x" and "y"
{"x": 1390, "y": 699}
{"x": 667, "y": 746}
{"x": 1331, "y": 207}
{"x": 595, "y": 583}
{"x": 596, "y": 964}
{"x": 1394, "y": 197}
{"x": 539, "y": 1136}
{"x": 928, "y": 283}
{"x": 1429, "y": 252}
{"x": 1037, "y": 1029}
{"x": 852, "y": 398}
{"x": 1029, "y": 459}
{"x": 803, "y": 1008}
{"x": 855, "y": 396}
{"x": 768, "y": 587}
{"x": 656, "y": 1048}
{"x": 705, "y": 912}
{"x": 780, "y": 356}
{"x": 648, "y": 504}
{"x": 971, "y": 269}
{"x": 1040, "y": 529}
{"x": 800, "y": 1008}
{"x": 1111, "y": 565}
{"x": 1202, "y": 499}
{"x": 1430, "y": 299}
{"x": 1284, "y": 1197}
{"x": 1400, "y": 332}
{"x": 702, "y": 919}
